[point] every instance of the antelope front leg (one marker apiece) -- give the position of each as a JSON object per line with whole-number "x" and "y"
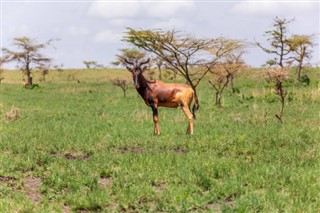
{"x": 156, "y": 125}
{"x": 155, "y": 117}
{"x": 155, "y": 121}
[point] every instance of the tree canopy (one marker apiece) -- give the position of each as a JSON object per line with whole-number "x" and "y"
{"x": 27, "y": 55}
{"x": 184, "y": 54}
{"x": 277, "y": 38}
{"x": 130, "y": 54}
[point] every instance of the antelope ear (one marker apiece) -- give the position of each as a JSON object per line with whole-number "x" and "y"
{"x": 129, "y": 69}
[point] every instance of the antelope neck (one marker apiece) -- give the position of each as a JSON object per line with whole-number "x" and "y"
{"x": 144, "y": 87}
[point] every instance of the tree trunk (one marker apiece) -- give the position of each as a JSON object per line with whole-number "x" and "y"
{"x": 160, "y": 72}
{"x": 299, "y": 72}
{"x": 29, "y": 78}
{"x": 28, "y": 73}
{"x": 280, "y": 114}
{"x": 299, "y": 68}
{"x": 30, "y": 81}
{"x": 282, "y": 95}
{"x": 231, "y": 83}
{"x": 300, "y": 63}
{"x": 218, "y": 99}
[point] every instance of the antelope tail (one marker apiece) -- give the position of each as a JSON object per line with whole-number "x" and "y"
{"x": 195, "y": 105}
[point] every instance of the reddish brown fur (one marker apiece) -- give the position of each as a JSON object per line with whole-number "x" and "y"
{"x": 25, "y": 83}
{"x": 157, "y": 93}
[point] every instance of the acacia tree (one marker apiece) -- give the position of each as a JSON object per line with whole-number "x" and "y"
{"x": 129, "y": 54}
{"x": 90, "y": 64}
{"x": 122, "y": 83}
{"x": 280, "y": 48}
{"x": 227, "y": 69}
{"x": 190, "y": 57}
{"x": 44, "y": 71}
{"x": 278, "y": 76}
{"x": 159, "y": 64}
{"x": 278, "y": 39}
{"x": 28, "y": 55}
{"x": 233, "y": 68}
{"x": 301, "y": 47}
{"x": 2, "y": 61}
{"x": 233, "y": 63}
{"x": 219, "y": 82}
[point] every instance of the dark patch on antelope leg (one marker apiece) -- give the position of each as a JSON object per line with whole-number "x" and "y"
{"x": 153, "y": 107}
{"x": 155, "y": 116}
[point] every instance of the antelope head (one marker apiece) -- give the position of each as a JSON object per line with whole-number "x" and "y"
{"x": 136, "y": 68}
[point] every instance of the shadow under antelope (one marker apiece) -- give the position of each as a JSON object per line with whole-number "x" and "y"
{"x": 157, "y": 93}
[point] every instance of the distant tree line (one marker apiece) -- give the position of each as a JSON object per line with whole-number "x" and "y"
{"x": 188, "y": 56}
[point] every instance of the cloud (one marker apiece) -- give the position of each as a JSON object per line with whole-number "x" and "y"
{"x": 168, "y": 9}
{"x": 77, "y": 30}
{"x": 107, "y": 36}
{"x": 274, "y": 8}
{"x": 170, "y": 24}
{"x": 138, "y": 9}
{"x": 114, "y": 10}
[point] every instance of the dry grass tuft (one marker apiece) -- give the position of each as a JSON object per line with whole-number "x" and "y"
{"x": 13, "y": 114}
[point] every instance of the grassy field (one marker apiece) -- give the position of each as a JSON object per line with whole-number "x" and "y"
{"x": 81, "y": 147}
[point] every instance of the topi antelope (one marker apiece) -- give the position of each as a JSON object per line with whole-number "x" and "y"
{"x": 157, "y": 93}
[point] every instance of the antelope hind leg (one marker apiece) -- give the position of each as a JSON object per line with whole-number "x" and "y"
{"x": 156, "y": 125}
{"x": 189, "y": 115}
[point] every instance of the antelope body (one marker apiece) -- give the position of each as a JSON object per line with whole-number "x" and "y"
{"x": 157, "y": 93}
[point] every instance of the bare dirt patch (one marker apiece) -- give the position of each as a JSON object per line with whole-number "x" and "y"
{"x": 72, "y": 156}
{"x": 7, "y": 178}
{"x": 159, "y": 187}
{"x": 215, "y": 207}
{"x": 131, "y": 149}
{"x": 69, "y": 156}
{"x": 10, "y": 182}
{"x": 105, "y": 181}
{"x": 66, "y": 209}
{"x": 32, "y": 186}
{"x": 180, "y": 150}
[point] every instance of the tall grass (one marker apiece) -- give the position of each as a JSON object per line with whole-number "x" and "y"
{"x": 93, "y": 150}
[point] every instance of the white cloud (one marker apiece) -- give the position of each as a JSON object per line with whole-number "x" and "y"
{"x": 119, "y": 15}
{"x": 170, "y": 24}
{"x": 138, "y": 9}
{"x": 119, "y": 22}
{"x": 167, "y": 9}
{"x": 108, "y": 36}
{"x": 76, "y": 30}
{"x": 274, "y": 7}
{"x": 114, "y": 10}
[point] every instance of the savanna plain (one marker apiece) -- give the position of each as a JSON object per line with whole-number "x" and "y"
{"x": 75, "y": 144}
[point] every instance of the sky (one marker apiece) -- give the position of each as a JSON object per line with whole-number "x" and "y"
{"x": 92, "y": 30}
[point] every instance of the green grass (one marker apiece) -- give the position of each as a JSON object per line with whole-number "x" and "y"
{"x": 93, "y": 150}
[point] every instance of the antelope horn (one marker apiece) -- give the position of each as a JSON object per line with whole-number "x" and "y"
{"x": 128, "y": 62}
{"x": 144, "y": 62}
